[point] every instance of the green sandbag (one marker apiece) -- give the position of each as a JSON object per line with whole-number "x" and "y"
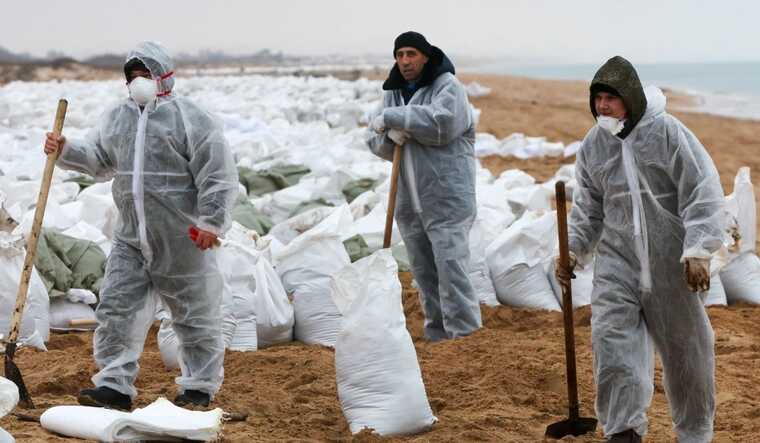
{"x": 65, "y": 262}
{"x": 84, "y": 181}
{"x": 356, "y": 188}
{"x": 264, "y": 181}
{"x": 356, "y": 247}
{"x": 311, "y": 204}
{"x": 247, "y": 215}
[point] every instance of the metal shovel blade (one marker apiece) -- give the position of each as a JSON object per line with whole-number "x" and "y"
{"x": 13, "y": 374}
{"x": 571, "y": 426}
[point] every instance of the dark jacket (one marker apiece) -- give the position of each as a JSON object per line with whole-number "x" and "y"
{"x": 619, "y": 75}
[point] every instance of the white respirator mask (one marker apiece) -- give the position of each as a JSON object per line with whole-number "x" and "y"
{"x": 611, "y": 124}
{"x": 142, "y": 90}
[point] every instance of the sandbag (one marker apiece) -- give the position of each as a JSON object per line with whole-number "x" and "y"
{"x": 379, "y": 381}
{"x": 63, "y": 311}
{"x": 355, "y": 188}
{"x": 525, "y": 286}
{"x": 488, "y": 224}
{"x": 741, "y": 205}
{"x": 741, "y": 279}
{"x": 274, "y": 312}
{"x": 159, "y": 421}
{"x": 515, "y": 260}
{"x": 34, "y": 320}
{"x": 716, "y": 296}
{"x": 305, "y": 266}
{"x": 67, "y": 262}
{"x": 582, "y": 285}
{"x": 245, "y": 213}
{"x": 291, "y": 228}
{"x": 356, "y": 247}
{"x": 270, "y": 180}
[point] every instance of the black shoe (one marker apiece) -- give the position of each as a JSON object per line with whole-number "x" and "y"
{"x": 628, "y": 436}
{"x": 193, "y": 398}
{"x": 104, "y": 397}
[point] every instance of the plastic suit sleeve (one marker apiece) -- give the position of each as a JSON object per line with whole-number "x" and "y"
{"x": 447, "y": 117}
{"x": 215, "y": 176}
{"x": 700, "y": 196}
{"x": 87, "y": 156}
{"x": 381, "y": 145}
{"x": 587, "y": 214}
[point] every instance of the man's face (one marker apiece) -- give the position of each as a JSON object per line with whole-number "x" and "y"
{"x": 133, "y": 74}
{"x": 410, "y": 62}
{"x": 609, "y": 105}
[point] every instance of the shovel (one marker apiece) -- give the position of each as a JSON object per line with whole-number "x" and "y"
{"x": 574, "y": 425}
{"x": 12, "y": 371}
{"x": 392, "y": 197}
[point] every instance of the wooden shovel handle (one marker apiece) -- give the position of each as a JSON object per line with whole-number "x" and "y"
{"x": 82, "y": 322}
{"x": 567, "y": 303}
{"x": 39, "y": 213}
{"x": 392, "y": 197}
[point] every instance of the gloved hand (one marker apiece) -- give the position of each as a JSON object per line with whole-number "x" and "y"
{"x": 378, "y": 124}
{"x": 203, "y": 239}
{"x": 398, "y": 136}
{"x": 697, "y": 273}
{"x": 53, "y": 143}
{"x": 563, "y": 275}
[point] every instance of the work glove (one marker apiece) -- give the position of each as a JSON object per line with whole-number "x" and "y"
{"x": 398, "y": 136}
{"x": 53, "y": 143}
{"x": 565, "y": 275}
{"x": 697, "y": 273}
{"x": 203, "y": 239}
{"x": 378, "y": 124}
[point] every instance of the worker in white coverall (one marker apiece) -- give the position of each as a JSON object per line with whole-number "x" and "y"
{"x": 172, "y": 170}
{"x": 425, "y": 109}
{"x": 650, "y": 205}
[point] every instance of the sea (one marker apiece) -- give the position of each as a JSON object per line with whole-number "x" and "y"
{"x": 730, "y": 89}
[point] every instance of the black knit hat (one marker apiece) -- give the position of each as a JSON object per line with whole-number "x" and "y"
{"x": 414, "y": 40}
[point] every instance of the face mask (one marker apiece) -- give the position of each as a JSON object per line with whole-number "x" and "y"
{"x": 142, "y": 90}
{"x": 611, "y": 124}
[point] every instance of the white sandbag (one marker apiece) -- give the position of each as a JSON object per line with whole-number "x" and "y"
{"x": 363, "y": 204}
{"x": 6, "y": 437}
{"x": 530, "y": 240}
{"x": 716, "y": 296}
{"x": 379, "y": 380}
{"x": 741, "y": 279}
{"x": 34, "y": 321}
{"x": 581, "y": 286}
{"x": 488, "y": 224}
{"x": 161, "y": 420}
{"x": 57, "y": 217}
{"x": 291, "y": 228}
{"x": 524, "y": 286}
{"x": 274, "y": 312}
{"x": 63, "y": 311}
{"x": 741, "y": 205}
{"x": 168, "y": 344}
{"x": 528, "y": 198}
{"x": 305, "y": 266}
{"x": 8, "y": 396}
{"x": 515, "y": 260}
{"x": 237, "y": 260}
{"x": 514, "y": 178}
{"x": 85, "y": 231}
{"x": 99, "y": 208}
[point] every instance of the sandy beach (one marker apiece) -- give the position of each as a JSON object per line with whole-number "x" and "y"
{"x": 506, "y": 382}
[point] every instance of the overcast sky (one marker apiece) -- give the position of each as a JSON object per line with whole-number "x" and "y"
{"x": 556, "y": 31}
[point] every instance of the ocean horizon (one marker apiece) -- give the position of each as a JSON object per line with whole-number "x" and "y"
{"x": 727, "y": 88}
